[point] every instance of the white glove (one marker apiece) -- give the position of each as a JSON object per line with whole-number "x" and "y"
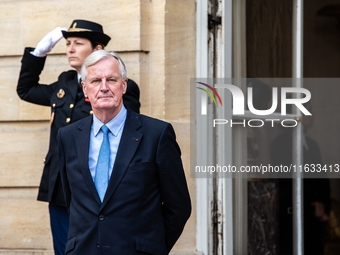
{"x": 48, "y": 42}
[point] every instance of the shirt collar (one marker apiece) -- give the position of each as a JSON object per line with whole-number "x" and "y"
{"x": 114, "y": 125}
{"x": 78, "y": 77}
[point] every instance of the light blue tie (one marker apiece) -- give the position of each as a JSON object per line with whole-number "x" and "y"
{"x": 101, "y": 178}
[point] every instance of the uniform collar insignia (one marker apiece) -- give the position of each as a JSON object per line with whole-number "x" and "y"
{"x": 61, "y": 93}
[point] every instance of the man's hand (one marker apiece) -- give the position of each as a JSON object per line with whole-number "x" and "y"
{"x": 48, "y": 42}
{"x": 320, "y": 211}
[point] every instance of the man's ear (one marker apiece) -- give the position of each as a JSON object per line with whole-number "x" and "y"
{"x": 125, "y": 85}
{"x": 84, "y": 88}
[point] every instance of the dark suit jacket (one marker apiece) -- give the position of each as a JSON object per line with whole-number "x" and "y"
{"x": 70, "y": 106}
{"x": 146, "y": 204}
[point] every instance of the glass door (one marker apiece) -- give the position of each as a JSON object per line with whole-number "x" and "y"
{"x": 275, "y": 205}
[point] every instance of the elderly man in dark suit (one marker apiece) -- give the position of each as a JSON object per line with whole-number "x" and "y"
{"x": 122, "y": 173}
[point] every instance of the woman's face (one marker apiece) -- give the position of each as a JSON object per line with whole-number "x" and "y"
{"x": 77, "y": 49}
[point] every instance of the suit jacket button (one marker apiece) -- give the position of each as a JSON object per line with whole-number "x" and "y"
{"x": 91, "y": 112}
{"x": 98, "y": 245}
{"x": 71, "y": 106}
{"x": 68, "y": 120}
{"x": 101, "y": 217}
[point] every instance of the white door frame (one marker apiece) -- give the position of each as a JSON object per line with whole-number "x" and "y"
{"x": 204, "y": 186}
{"x": 204, "y": 191}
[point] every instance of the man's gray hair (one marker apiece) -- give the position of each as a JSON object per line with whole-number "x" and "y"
{"x": 97, "y": 55}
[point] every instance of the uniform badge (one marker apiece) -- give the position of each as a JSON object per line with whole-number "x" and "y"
{"x": 61, "y": 93}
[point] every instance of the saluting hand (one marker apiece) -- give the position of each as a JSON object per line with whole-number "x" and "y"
{"x": 48, "y": 42}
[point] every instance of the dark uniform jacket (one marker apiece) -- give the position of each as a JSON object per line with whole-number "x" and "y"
{"x": 67, "y": 106}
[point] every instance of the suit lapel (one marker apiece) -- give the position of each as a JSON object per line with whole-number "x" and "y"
{"x": 82, "y": 138}
{"x": 127, "y": 147}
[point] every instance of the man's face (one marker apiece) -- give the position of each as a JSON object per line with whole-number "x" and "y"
{"x": 104, "y": 86}
{"x": 77, "y": 49}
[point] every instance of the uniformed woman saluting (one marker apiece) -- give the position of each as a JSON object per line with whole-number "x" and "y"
{"x": 68, "y": 104}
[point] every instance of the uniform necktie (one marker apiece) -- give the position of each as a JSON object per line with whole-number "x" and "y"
{"x": 101, "y": 178}
{"x": 79, "y": 90}
{"x": 80, "y": 86}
